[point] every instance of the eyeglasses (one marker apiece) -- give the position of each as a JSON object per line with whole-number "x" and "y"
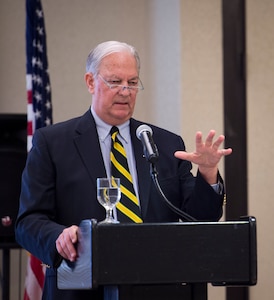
{"x": 133, "y": 85}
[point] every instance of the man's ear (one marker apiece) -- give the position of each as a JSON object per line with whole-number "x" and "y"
{"x": 89, "y": 78}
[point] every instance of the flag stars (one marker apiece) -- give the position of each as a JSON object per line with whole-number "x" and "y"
{"x": 39, "y": 64}
{"x": 33, "y": 61}
{"x": 39, "y": 46}
{"x": 40, "y": 30}
{"x": 37, "y": 114}
{"x": 48, "y": 104}
{"x": 37, "y": 80}
{"x": 47, "y": 88}
{"x": 36, "y": 62}
{"x": 47, "y": 121}
{"x": 37, "y": 96}
{"x": 39, "y": 13}
{"x": 41, "y": 106}
{"x": 34, "y": 78}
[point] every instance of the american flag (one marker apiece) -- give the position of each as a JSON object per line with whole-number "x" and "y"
{"x": 38, "y": 83}
{"x": 39, "y": 114}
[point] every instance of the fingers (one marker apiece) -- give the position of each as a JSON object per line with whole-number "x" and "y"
{"x": 65, "y": 243}
{"x": 183, "y": 155}
{"x": 208, "y": 140}
{"x": 205, "y": 151}
{"x": 217, "y": 144}
{"x": 226, "y": 152}
{"x": 199, "y": 137}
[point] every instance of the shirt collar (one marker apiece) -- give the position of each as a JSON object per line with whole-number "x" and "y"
{"x": 103, "y": 128}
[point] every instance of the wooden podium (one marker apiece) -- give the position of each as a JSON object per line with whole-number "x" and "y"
{"x": 163, "y": 261}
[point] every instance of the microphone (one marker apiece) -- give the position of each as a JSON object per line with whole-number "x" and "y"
{"x": 144, "y": 134}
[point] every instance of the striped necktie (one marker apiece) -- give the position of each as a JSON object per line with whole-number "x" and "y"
{"x": 128, "y": 209}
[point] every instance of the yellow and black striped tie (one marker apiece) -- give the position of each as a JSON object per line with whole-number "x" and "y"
{"x": 128, "y": 209}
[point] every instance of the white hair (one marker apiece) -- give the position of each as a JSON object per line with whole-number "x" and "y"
{"x": 104, "y": 49}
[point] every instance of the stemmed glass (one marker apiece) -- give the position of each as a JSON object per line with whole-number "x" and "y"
{"x": 108, "y": 195}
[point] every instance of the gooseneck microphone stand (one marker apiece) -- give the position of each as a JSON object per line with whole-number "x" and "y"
{"x": 154, "y": 175}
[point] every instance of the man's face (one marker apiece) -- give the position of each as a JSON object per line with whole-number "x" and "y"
{"x": 114, "y": 106}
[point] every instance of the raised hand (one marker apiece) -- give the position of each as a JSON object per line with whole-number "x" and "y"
{"x": 207, "y": 155}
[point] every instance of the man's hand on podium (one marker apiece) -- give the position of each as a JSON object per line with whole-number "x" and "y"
{"x": 66, "y": 242}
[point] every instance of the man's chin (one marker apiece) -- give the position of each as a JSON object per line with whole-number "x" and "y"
{"x": 121, "y": 117}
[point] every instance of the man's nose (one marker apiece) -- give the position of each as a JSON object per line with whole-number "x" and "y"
{"x": 125, "y": 89}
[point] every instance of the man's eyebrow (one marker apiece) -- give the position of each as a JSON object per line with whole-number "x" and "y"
{"x": 118, "y": 77}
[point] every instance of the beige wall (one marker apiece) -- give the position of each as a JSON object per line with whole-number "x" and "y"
{"x": 201, "y": 67}
{"x": 260, "y": 59}
{"x": 180, "y": 44}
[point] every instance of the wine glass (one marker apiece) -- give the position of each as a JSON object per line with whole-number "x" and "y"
{"x": 108, "y": 195}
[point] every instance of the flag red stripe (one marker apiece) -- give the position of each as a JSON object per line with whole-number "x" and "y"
{"x": 37, "y": 270}
{"x": 33, "y": 288}
{"x": 29, "y": 96}
{"x": 30, "y": 131}
{"x": 26, "y": 296}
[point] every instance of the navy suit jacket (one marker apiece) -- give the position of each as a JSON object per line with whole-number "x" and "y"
{"x": 59, "y": 189}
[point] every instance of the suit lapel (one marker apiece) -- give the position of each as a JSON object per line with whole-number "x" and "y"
{"x": 87, "y": 144}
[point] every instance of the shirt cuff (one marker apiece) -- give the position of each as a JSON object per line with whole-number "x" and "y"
{"x": 218, "y": 188}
